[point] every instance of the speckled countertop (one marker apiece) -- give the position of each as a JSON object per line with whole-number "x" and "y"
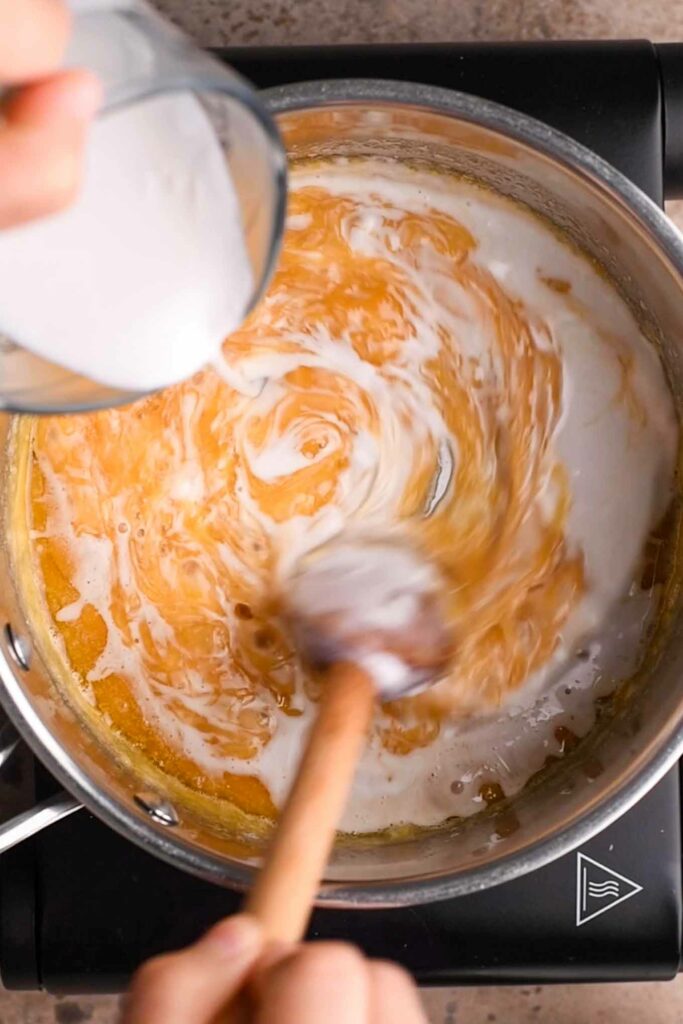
{"x": 254, "y": 22}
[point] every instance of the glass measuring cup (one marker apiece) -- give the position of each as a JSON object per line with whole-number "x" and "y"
{"x": 139, "y": 57}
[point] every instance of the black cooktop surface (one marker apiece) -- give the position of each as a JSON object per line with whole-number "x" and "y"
{"x": 80, "y": 907}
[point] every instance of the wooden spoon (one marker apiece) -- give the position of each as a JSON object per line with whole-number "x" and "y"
{"x": 367, "y": 613}
{"x": 285, "y": 888}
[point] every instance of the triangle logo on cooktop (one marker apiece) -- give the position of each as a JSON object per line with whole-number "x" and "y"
{"x": 599, "y": 889}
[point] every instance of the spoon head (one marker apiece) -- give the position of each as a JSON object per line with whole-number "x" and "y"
{"x": 376, "y": 602}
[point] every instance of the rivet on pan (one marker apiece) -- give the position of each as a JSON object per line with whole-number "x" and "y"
{"x": 19, "y": 648}
{"x": 157, "y": 807}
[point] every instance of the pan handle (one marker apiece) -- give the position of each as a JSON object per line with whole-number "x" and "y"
{"x": 36, "y": 819}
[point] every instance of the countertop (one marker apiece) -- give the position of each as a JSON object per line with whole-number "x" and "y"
{"x": 254, "y": 22}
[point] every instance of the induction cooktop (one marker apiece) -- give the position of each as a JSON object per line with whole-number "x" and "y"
{"x": 80, "y": 907}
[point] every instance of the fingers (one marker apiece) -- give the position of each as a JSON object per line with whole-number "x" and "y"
{"x": 193, "y": 986}
{"x": 324, "y": 981}
{"x": 41, "y": 144}
{"x": 66, "y": 98}
{"x": 42, "y": 126}
{"x": 333, "y": 982}
{"x": 394, "y": 998}
{"x": 33, "y": 36}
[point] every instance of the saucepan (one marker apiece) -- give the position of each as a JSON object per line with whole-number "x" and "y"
{"x": 630, "y": 747}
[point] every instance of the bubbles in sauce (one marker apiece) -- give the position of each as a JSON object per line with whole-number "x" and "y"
{"x": 428, "y": 355}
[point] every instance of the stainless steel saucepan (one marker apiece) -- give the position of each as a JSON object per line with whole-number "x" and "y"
{"x": 616, "y": 224}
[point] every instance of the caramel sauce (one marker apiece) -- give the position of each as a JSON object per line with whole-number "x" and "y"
{"x": 158, "y": 529}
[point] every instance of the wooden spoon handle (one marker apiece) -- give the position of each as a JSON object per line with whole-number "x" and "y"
{"x": 285, "y": 888}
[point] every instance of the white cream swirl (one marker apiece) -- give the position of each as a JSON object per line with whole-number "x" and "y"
{"x": 431, "y": 356}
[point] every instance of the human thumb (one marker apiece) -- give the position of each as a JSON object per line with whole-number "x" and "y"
{"x": 196, "y": 984}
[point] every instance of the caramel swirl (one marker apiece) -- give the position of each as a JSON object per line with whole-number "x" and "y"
{"x": 389, "y": 378}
